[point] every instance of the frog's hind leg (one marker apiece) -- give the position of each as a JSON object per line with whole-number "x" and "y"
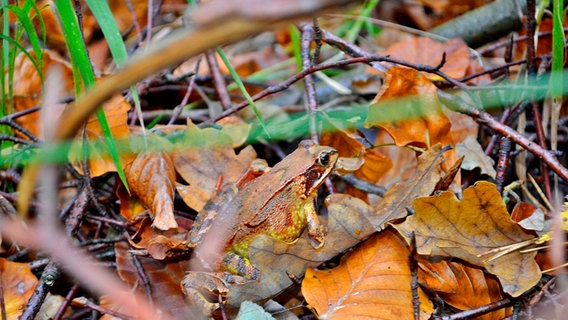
{"x": 201, "y": 288}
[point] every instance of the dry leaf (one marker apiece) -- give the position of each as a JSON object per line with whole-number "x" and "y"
{"x": 400, "y": 196}
{"x": 18, "y": 283}
{"x": 100, "y": 160}
{"x": 468, "y": 229}
{"x": 151, "y": 176}
{"x": 423, "y": 50}
{"x": 204, "y": 169}
{"x": 462, "y": 286}
{"x": 28, "y": 88}
{"x": 160, "y": 244}
{"x": 407, "y": 107}
{"x": 376, "y": 276}
{"x": 475, "y": 157}
{"x": 162, "y": 278}
{"x": 374, "y": 164}
{"x": 277, "y": 260}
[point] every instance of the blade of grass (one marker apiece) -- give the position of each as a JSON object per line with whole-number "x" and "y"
{"x": 22, "y": 14}
{"x": 102, "y": 13}
{"x": 82, "y": 64}
{"x": 244, "y": 91}
{"x": 557, "y": 80}
{"x": 295, "y": 40}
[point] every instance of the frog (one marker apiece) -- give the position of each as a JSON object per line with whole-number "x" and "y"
{"x": 281, "y": 203}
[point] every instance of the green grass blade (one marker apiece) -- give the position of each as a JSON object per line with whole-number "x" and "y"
{"x": 557, "y": 48}
{"x": 23, "y": 18}
{"x": 81, "y": 64}
{"x": 103, "y": 14}
{"x": 244, "y": 91}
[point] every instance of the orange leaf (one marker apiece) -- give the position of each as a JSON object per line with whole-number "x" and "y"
{"x": 376, "y": 276}
{"x": 152, "y": 178}
{"x": 409, "y": 110}
{"x": 461, "y": 286}
{"x": 469, "y": 229}
{"x": 423, "y": 50}
{"x": 28, "y": 88}
{"x": 18, "y": 283}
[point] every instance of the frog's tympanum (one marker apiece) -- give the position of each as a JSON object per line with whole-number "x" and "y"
{"x": 280, "y": 203}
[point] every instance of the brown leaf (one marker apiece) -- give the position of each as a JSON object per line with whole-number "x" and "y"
{"x": 116, "y": 113}
{"x": 374, "y": 164}
{"x": 400, "y": 196}
{"x": 461, "y": 286}
{"x": 277, "y": 260}
{"x": 151, "y": 176}
{"x": 423, "y": 50}
{"x": 376, "y": 276}
{"x": 469, "y": 229}
{"x": 475, "y": 157}
{"x": 27, "y": 88}
{"x": 409, "y": 110}
{"x": 161, "y": 278}
{"x": 204, "y": 169}
{"x": 18, "y": 284}
{"x": 160, "y": 244}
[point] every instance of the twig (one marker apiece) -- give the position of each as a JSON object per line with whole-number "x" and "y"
{"x": 355, "y": 51}
{"x": 502, "y": 162}
{"x": 48, "y": 277}
{"x": 531, "y": 27}
{"x": 218, "y": 80}
{"x": 61, "y": 311}
{"x": 83, "y": 302}
{"x": 309, "y": 80}
{"x": 541, "y": 139}
{"x": 413, "y": 262}
{"x": 457, "y": 104}
{"x": 178, "y": 110}
{"x": 467, "y": 314}
{"x": 364, "y": 185}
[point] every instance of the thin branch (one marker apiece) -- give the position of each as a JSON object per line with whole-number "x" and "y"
{"x": 457, "y": 104}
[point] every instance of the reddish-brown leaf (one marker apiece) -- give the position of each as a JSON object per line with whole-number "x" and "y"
{"x": 372, "y": 282}
{"x": 151, "y": 176}
{"x": 161, "y": 278}
{"x": 461, "y": 286}
{"x": 18, "y": 283}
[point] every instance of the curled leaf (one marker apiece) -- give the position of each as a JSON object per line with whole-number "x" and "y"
{"x": 152, "y": 178}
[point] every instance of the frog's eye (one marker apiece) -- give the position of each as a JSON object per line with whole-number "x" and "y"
{"x": 323, "y": 159}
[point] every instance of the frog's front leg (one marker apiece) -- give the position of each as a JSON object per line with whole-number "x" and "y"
{"x": 201, "y": 288}
{"x": 316, "y": 230}
{"x": 204, "y": 288}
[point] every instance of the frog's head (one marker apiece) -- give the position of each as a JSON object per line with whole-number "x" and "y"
{"x": 323, "y": 159}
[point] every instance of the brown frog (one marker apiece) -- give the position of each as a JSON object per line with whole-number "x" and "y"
{"x": 280, "y": 203}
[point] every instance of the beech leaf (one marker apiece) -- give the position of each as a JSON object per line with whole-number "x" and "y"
{"x": 376, "y": 276}
{"x": 400, "y": 196}
{"x": 18, "y": 284}
{"x": 151, "y": 176}
{"x": 462, "y": 286}
{"x": 469, "y": 229}
{"x": 475, "y": 157}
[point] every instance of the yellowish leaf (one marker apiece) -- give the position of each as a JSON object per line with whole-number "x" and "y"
{"x": 469, "y": 229}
